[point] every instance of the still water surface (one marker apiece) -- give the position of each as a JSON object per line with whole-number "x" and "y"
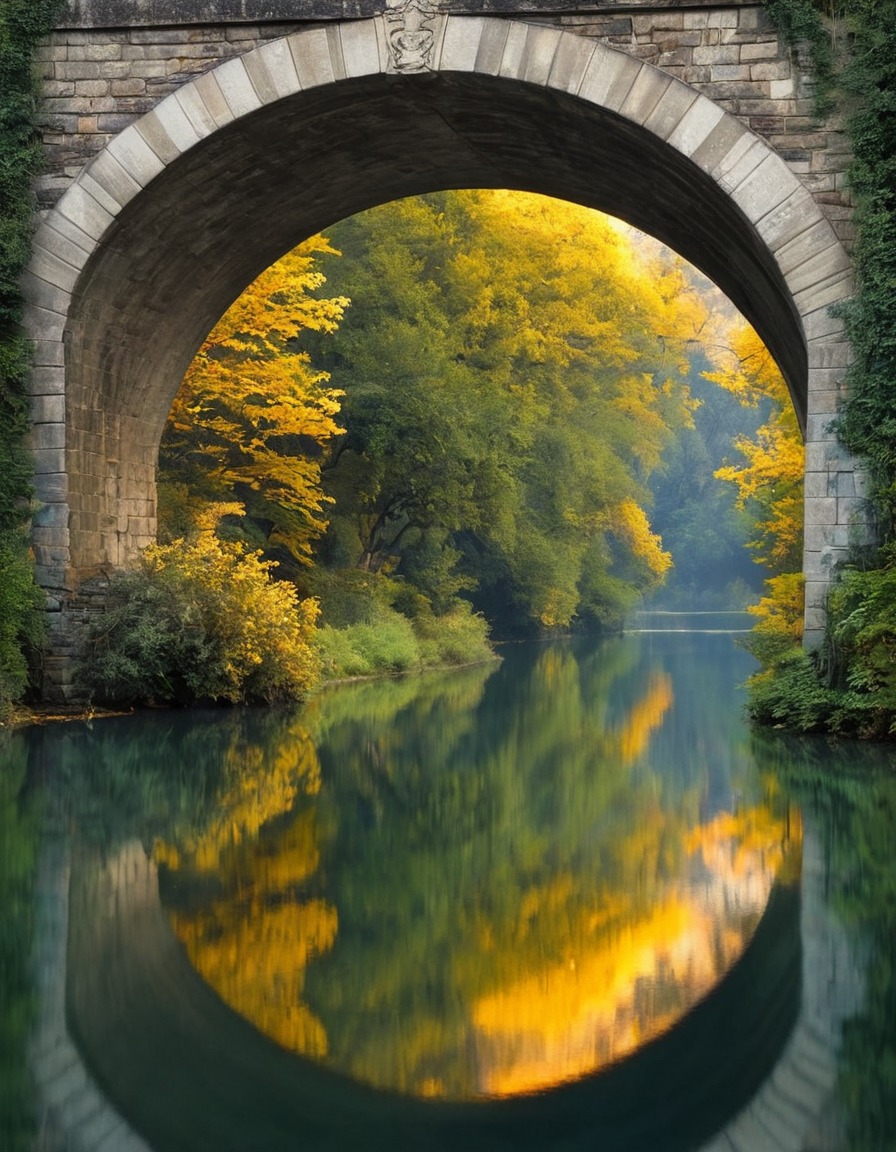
{"x": 563, "y": 901}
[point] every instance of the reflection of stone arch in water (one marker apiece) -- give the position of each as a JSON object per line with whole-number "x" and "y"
{"x": 171, "y": 220}
{"x": 149, "y": 1030}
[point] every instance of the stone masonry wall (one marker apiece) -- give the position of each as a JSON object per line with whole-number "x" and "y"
{"x": 97, "y": 81}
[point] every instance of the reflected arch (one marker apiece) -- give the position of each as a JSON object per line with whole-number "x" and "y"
{"x": 181, "y": 210}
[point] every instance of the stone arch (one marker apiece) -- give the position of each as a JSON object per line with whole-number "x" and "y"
{"x": 182, "y": 209}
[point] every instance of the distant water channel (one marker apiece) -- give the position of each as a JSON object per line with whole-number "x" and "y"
{"x": 563, "y": 901}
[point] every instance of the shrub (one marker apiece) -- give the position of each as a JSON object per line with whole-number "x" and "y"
{"x": 460, "y": 636}
{"x": 201, "y": 621}
{"x": 385, "y": 645}
{"x": 21, "y": 619}
{"x": 392, "y": 643}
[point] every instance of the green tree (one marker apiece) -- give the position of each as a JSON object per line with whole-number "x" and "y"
{"x": 511, "y": 369}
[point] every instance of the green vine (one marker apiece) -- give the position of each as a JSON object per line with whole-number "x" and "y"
{"x": 22, "y": 24}
{"x": 867, "y": 424}
{"x": 807, "y": 22}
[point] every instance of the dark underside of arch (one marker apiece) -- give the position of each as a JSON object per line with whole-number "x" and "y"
{"x": 183, "y": 249}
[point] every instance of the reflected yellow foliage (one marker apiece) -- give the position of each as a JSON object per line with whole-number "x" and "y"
{"x": 260, "y": 787}
{"x": 256, "y": 962}
{"x": 604, "y": 993}
{"x": 645, "y": 717}
{"x": 569, "y": 1018}
{"x": 253, "y": 944}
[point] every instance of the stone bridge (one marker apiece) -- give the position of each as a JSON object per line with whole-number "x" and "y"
{"x": 190, "y": 143}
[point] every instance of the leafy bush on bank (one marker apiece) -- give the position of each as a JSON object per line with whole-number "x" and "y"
{"x": 849, "y": 686}
{"x": 374, "y": 625}
{"x": 201, "y": 621}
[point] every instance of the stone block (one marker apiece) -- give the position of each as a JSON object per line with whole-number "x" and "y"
{"x": 674, "y": 59}
{"x": 538, "y": 54}
{"x": 821, "y": 511}
{"x": 48, "y": 460}
{"x": 727, "y": 144}
{"x": 570, "y": 62}
{"x": 57, "y": 89}
{"x": 78, "y": 70}
{"x": 696, "y": 126}
{"x": 91, "y": 88}
{"x": 818, "y": 427}
{"x": 765, "y": 188}
{"x": 135, "y": 154}
{"x": 761, "y": 50}
{"x": 609, "y": 77}
{"x": 824, "y": 456}
{"x": 514, "y": 50}
{"x": 830, "y": 354}
{"x": 237, "y": 88}
{"x": 135, "y": 86}
{"x": 789, "y": 219}
{"x": 41, "y": 294}
{"x": 51, "y": 487}
{"x": 671, "y": 109}
{"x": 108, "y": 172}
{"x": 812, "y": 252}
{"x": 46, "y": 436}
{"x": 826, "y": 292}
{"x": 48, "y": 359}
{"x": 148, "y": 69}
{"x": 714, "y": 56}
{"x": 168, "y": 130}
{"x": 729, "y": 72}
{"x": 644, "y": 95}
{"x": 49, "y": 575}
{"x": 49, "y": 266}
{"x": 42, "y": 324}
{"x": 780, "y": 89}
{"x": 48, "y": 409}
{"x": 78, "y": 206}
{"x": 316, "y": 62}
{"x": 361, "y": 54}
{"x": 821, "y": 325}
{"x": 203, "y": 101}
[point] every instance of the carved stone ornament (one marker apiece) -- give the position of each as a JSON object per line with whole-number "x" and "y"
{"x": 411, "y": 34}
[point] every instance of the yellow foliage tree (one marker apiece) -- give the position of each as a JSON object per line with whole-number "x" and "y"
{"x": 770, "y": 482}
{"x": 253, "y": 415}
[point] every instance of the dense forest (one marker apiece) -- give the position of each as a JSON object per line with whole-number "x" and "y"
{"x": 458, "y": 416}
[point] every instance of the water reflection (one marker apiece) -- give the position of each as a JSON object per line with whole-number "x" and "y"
{"x": 482, "y": 804}
{"x": 477, "y": 887}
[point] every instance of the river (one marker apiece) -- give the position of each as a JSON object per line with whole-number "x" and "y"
{"x": 563, "y": 901}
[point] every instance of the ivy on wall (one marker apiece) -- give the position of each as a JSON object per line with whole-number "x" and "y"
{"x": 861, "y": 80}
{"x": 22, "y": 24}
{"x": 850, "y": 685}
